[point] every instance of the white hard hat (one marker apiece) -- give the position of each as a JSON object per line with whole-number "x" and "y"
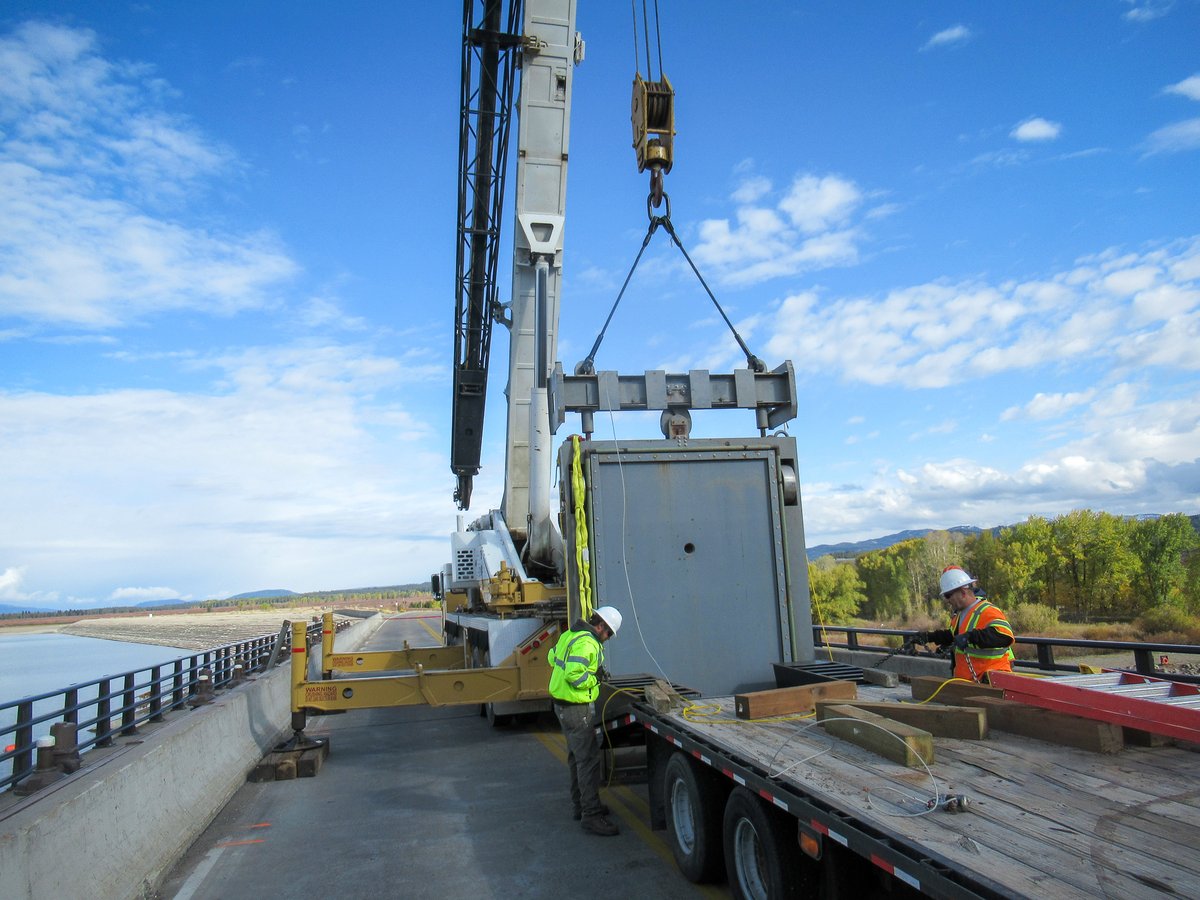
{"x": 953, "y": 577}
{"x": 611, "y": 617}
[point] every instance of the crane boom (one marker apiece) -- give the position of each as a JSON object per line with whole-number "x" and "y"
{"x": 550, "y": 52}
{"x": 491, "y": 38}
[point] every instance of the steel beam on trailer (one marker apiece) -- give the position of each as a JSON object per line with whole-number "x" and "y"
{"x": 1121, "y": 698}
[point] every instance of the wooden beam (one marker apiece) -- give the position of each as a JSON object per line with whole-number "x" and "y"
{"x": 896, "y": 741}
{"x": 1051, "y": 726}
{"x": 789, "y": 700}
{"x": 953, "y": 692}
{"x": 963, "y": 722}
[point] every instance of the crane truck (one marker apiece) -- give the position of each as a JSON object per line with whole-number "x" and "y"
{"x": 700, "y": 544}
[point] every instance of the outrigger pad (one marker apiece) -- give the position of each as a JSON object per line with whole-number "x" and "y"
{"x": 300, "y": 757}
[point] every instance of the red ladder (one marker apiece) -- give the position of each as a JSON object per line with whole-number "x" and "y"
{"x": 1122, "y": 698}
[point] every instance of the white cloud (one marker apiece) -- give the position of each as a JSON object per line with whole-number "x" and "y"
{"x": 300, "y": 467}
{"x": 1048, "y": 406}
{"x": 816, "y": 204}
{"x": 90, "y": 163}
{"x": 10, "y": 583}
{"x": 1189, "y": 87}
{"x": 1148, "y": 10}
{"x": 1036, "y": 129}
{"x": 956, "y": 34}
{"x": 919, "y": 336}
{"x": 1175, "y": 138}
{"x": 809, "y": 228}
{"x": 751, "y": 189}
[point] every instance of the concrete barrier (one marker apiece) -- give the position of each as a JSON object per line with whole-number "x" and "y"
{"x": 113, "y": 830}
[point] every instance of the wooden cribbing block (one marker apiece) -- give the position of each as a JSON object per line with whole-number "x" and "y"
{"x": 892, "y": 740}
{"x": 965, "y": 722}
{"x": 925, "y": 686}
{"x": 1051, "y": 726}
{"x": 309, "y": 761}
{"x": 783, "y": 701}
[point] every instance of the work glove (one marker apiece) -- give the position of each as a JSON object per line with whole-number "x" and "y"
{"x": 601, "y": 673}
{"x": 920, "y": 637}
{"x": 960, "y": 641}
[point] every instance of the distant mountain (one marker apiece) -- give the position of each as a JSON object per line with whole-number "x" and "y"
{"x": 263, "y": 595}
{"x": 162, "y": 603}
{"x": 18, "y": 608}
{"x": 859, "y": 547}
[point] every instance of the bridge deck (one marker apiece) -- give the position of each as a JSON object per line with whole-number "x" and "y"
{"x": 421, "y": 802}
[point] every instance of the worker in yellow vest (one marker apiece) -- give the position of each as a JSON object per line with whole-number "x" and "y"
{"x": 980, "y": 634}
{"x": 577, "y": 668}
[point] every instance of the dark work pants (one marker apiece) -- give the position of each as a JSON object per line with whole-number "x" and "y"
{"x": 578, "y": 721}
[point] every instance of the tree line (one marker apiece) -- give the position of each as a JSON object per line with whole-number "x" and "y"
{"x": 1084, "y": 565}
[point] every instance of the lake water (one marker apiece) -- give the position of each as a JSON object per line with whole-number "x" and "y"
{"x": 36, "y": 663}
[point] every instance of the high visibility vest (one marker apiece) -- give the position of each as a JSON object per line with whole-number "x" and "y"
{"x": 972, "y": 662}
{"x": 574, "y": 661}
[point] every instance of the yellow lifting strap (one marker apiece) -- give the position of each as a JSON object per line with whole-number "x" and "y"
{"x": 582, "y": 564}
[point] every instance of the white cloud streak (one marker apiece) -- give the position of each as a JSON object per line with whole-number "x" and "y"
{"x": 1036, "y": 129}
{"x": 811, "y": 227}
{"x": 956, "y": 34}
{"x": 918, "y": 336}
{"x": 1178, "y": 137}
{"x": 1189, "y": 87}
{"x": 89, "y": 163}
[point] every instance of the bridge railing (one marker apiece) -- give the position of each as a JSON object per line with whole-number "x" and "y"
{"x": 1147, "y": 655}
{"x": 103, "y": 709}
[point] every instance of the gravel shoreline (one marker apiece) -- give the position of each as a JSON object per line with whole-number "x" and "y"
{"x": 188, "y": 631}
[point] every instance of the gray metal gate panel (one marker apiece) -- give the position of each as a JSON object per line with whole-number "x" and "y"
{"x": 692, "y": 544}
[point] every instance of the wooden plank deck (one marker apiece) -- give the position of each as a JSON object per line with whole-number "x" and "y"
{"x": 1043, "y": 820}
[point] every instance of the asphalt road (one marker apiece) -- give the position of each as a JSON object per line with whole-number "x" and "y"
{"x": 428, "y": 803}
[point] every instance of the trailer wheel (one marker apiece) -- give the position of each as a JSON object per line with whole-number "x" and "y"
{"x": 761, "y": 861}
{"x": 693, "y": 822}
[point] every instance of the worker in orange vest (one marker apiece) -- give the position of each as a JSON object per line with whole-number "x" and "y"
{"x": 980, "y": 634}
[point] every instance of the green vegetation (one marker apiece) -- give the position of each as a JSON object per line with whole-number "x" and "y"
{"x": 1084, "y": 566}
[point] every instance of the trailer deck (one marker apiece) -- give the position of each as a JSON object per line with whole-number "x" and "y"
{"x": 1042, "y": 820}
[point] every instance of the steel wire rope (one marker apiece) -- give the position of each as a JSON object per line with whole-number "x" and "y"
{"x": 587, "y": 366}
{"x": 646, "y": 36}
{"x": 696, "y": 713}
{"x": 625, "y": 562}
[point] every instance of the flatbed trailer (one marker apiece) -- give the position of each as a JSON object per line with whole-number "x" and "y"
{"x": 1039, "y": 820}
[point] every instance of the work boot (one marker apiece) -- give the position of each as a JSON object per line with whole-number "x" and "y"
{"x": 578, "y": 814}
{"x": 599, "y": 825}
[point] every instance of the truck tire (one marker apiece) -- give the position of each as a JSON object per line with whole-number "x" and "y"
{"x": 761, "y": 853}
{"x": 693, "y": 822}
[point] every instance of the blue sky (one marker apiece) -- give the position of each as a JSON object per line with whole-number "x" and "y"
{"x": 227, "y": 270}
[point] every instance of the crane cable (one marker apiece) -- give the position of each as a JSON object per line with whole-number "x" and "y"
{"x": 582, "y": 565}
{"x": 637, "y": 62}
{"x": 587, "y": 366}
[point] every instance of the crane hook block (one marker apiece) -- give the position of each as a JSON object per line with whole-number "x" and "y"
{"x": 653, "y": 124}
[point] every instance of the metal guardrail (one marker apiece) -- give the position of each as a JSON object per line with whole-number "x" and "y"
{"x": 1146, "y": 654}
{"x": 115, "y": 705}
